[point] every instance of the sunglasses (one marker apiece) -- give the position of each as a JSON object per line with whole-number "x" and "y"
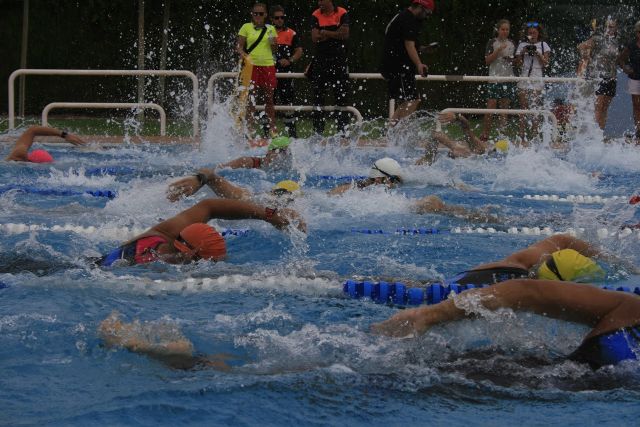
{"x": 278, "y": 17}
{"x": 258, "y": 13}
{"x": 392, "y": 178}
{"x": 532, "y": 25}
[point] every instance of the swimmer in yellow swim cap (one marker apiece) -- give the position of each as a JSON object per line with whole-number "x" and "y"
{"x": 501, "y": 145}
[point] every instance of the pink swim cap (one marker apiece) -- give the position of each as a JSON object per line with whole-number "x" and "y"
{"x": 40, "y": 156}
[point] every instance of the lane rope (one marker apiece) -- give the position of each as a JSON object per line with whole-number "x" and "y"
{"x": 602, "y": 233}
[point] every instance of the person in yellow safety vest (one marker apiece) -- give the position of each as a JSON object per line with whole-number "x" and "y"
{"x": 256, "y": 44}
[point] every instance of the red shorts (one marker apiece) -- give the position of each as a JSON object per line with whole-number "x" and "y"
{"x": 264, "y": 77}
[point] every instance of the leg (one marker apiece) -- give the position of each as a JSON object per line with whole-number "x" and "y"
{"x": 319, "y": 93}
{"x": 270, "y": 109}
{"x": 635, "y": 100}
{"x": 503, "y": 104}
{"x": 284, "y": 96}
{"x": 403, "y": 89}
{"x": 524, "y": 104}
{"x": 601, "y": 109}
{"x": 405, "y": 109}
{"x": 341, "y": 90}
{"x": 486, "y": 123}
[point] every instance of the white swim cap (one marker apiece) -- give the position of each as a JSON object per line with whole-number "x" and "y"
{"x": 385, "y": 168}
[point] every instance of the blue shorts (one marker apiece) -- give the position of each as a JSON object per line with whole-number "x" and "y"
{"x": 609, "y": 348}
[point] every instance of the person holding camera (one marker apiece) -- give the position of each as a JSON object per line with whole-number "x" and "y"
{"x": 499, "y": 56}
{"x": 401, "y": 61}
{"x": 532, "y": 55}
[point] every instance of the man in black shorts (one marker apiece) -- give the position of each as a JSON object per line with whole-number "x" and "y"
{"x": 401, "y": 61}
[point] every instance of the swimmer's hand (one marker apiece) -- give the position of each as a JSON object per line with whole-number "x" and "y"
{"x": 184, "y": 187}
{"x": 446, "y": 118}
{"x": 74, "y": 139}
{"x": 403, "y": 324}
{"x": 285, "y": 216}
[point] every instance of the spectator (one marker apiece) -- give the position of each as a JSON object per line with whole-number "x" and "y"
{"x": 629, "y": 60}
{"x": 499, "y": 55}
{"x": 533, "y": 55}
{"x": 328, "y": 70}
{"x": 401, "y": 61}
{"x": 602, "y": 52}
{"x": 256, "y": 44}
{"x": 289, "y": 52}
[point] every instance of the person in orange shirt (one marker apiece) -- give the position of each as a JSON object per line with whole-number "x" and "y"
{"x": 328, "y": 70}
{"x": 289, "y": 52}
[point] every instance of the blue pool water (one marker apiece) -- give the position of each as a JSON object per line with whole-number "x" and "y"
{"x": 301, "y": 352}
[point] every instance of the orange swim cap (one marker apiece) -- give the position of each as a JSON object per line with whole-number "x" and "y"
{"x": 40, "y": 156}
{"x": 201, "y": 240}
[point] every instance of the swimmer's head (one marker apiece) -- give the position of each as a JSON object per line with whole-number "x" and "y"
{"x": 386, "y": 168}
{"x": 279, "y": 142}
{"x": 40, "y": 156}
{"x": 502, "y": 145}
{"x": 571, "y": 266}
{"x": 201, "y": 241}
{"x": 286, "y": 187}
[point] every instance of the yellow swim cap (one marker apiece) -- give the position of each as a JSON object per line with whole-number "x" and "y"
{"x": 571, "y": 266}
{"x": 502, "y": 145}
{"x": 287, "y": 186}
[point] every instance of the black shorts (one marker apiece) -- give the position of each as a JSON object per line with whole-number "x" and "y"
{"x": 607, "y": 87}
{"x": 402, "y": 87}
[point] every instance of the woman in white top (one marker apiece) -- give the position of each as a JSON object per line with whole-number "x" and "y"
{"x": 499, "y": 55}
{"x": 533, "y": 55}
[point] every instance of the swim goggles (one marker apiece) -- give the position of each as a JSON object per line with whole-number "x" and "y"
{"x": 532, "y": 24}
{"x": 392, "y": 178}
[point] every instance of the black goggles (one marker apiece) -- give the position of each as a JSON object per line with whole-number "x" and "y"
{"x": 194, "y": 251}
{"x": 280, "y": 192}
{"x": 392, "y": 178}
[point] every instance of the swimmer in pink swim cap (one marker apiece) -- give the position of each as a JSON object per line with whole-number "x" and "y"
{"x": 20, "y": 152}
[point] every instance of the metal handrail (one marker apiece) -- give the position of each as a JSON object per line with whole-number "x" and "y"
{"x": 107, "y": 105}
{"x": 63, "y": 72}
{"x": 378, "y": 76}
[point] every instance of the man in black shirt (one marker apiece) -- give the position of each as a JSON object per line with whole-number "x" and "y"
{"x": 401, "y": 61}
{"x": 328, "y": 70}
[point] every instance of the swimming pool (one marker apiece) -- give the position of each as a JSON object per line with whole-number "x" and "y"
{"x": 301, "y": 351}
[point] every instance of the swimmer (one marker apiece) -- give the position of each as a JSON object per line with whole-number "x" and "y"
{"x": 472, "y": 145}
{"x": 387, "y": 172}
{"x": 559, "y": 257}
{"x": 187, "y": 237}
{"x": 20, "y": 152}
{"x": 278, "y": 157}
{"x": 614, "y": 316}
{"x": 280, "y": 195}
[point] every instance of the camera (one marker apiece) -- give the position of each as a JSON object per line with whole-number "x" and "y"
{"x": 531, "y": 49}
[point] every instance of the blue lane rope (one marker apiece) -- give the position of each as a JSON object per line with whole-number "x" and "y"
{"x": 400, "y": 294}
{"x": 110, "y": 194}
{"x": 109, "y": 170}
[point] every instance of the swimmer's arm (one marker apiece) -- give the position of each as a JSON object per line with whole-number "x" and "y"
{"x": 239, "y": 163}
{"x": 220, "y": 186}
{"x": 340, "y": 189}
{"x": 21, "y": 148}
{"x": 433, "y": 204}
{"x": 209, "y": 209}
{"x": 568, "y": 301}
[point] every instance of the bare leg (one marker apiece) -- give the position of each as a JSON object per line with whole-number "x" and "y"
{"x": 486, "y": 123}
{"x": 635, "y": 100}
{"x": 270, "y": 109}
{"x": 524, "y": 104}
{"x": 606, "y": 310}
{"x": 503, "y": 104}
{"x": 602, "y": 108}
{"x": 405, "y": 109}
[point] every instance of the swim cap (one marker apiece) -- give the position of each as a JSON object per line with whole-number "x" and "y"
{"x": 279, "y": 142}
{"x": 287, "y": 185}
{"x": 201, "y": 240}
{"x": 385, "y": 168}
{"x": 569, "y": 265}
{"x": 427, "y": 4}
{"x": 40, "y": 156}
{"x": 502, "y": 145}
